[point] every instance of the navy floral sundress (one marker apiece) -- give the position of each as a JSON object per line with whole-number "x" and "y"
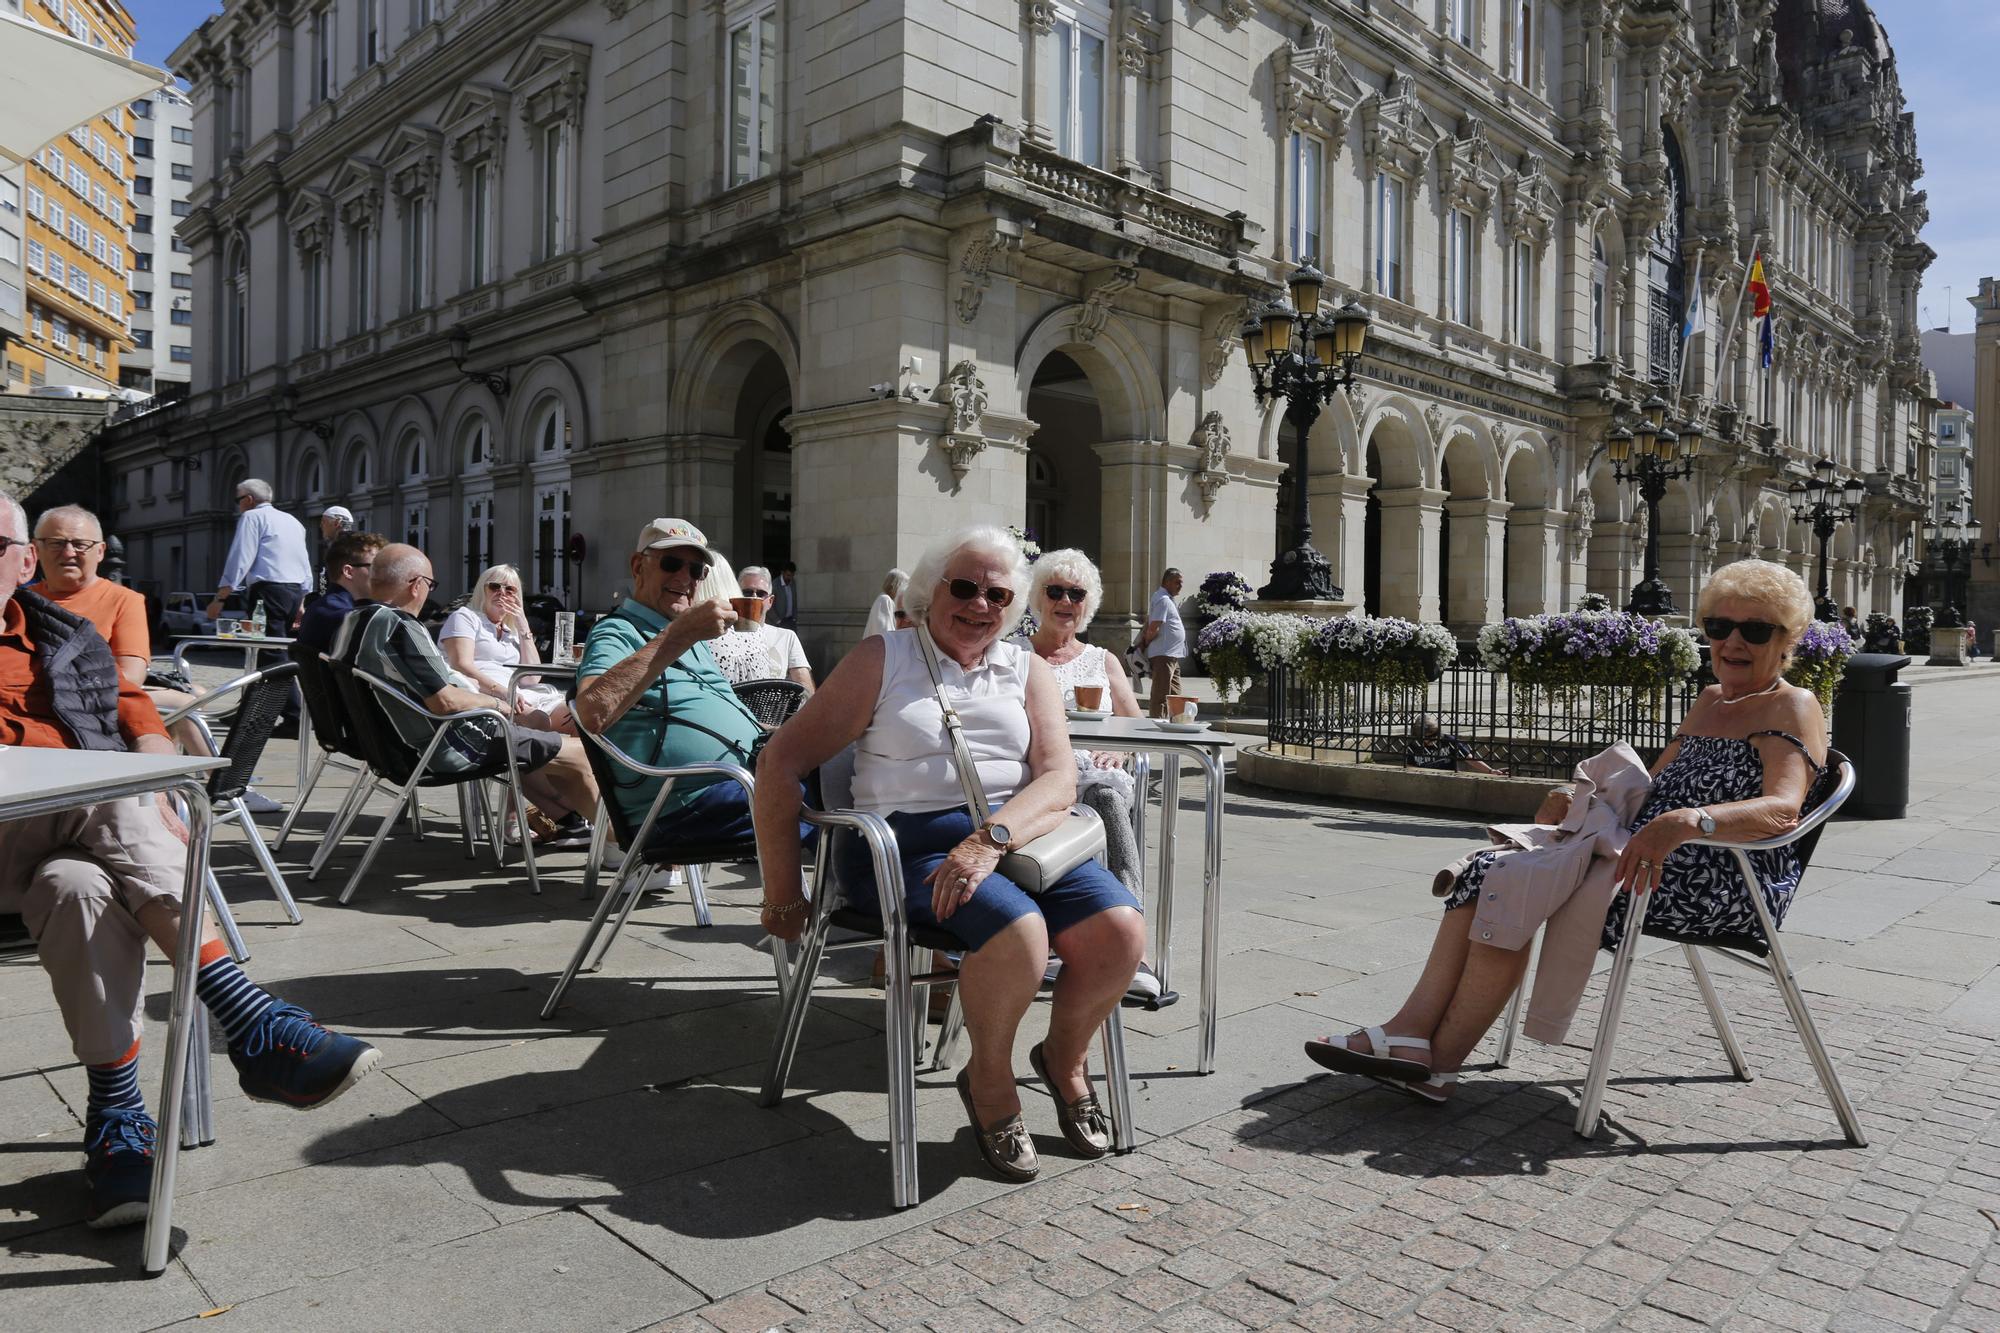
{"x": 1701, "y": 890}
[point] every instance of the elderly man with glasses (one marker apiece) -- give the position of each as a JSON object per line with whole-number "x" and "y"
{"x": 385, "y": 638}
{"x": 649, "y": 683}
{"x": 267, "y": 560}
{"x": 781, "y": 646}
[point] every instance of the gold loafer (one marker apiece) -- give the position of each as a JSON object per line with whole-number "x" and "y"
{"x": 1006, "y": 1147}
{"x": 1082, "y": 1121}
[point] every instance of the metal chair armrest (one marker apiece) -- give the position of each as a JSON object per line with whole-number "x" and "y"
{"x": 399, "y": 696}
{"x": 882, "y": 848}
{"x": 1826, "y": 810}
{"x": 719, "y": 768}
{"x": 208, "y": 697}
{"x": 520, "y": 669}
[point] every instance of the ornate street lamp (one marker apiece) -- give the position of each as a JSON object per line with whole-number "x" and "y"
{"x": 1652, "y": 451}
{"x": 1952, "y": 542}
{"x": 1824, "y": 503}
{"x": 1304, "y": 357}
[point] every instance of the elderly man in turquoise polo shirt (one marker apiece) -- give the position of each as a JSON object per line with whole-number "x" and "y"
{"x": 649, "y": 683}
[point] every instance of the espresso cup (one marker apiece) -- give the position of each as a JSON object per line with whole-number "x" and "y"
{"x": 749, "y": 612}
{"x": 1182, "y": 707}
{"x": 1090, "y": 698}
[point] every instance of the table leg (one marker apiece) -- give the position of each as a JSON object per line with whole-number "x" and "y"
{"x": 187, "y": 961}
{"x": 1163, "y": 912}
{"x": 1211, "y": 908}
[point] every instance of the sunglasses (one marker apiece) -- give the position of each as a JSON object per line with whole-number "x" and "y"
{"x": 1059, "y": 593}
{"x": 9, "y": 543}
{"x": 501, "y": 587}
{"x": 758, "y": 594}
{"x": 1755, "y": 632}
{"x": 966, "y": 590}
{"x": 674, "y": 564}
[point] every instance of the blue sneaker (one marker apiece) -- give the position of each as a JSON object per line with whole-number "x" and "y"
{"x": 118, "y": 1166}
{"x": 287, "y": 1057}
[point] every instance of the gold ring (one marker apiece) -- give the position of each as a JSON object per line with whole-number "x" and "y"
{"x": 1645, "y": 865}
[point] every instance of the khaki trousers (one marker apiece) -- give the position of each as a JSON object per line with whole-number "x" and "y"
{"x": 80, "y": 879}
{"x": 1166, "y": 674}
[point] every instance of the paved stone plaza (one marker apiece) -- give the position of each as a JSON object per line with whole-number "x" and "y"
{"x": 610, "y": 1169}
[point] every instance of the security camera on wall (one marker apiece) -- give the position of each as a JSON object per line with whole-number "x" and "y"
{"x": 884, "y": 390}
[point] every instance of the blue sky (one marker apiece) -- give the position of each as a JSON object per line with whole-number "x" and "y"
{"x": 1940, "y": 48}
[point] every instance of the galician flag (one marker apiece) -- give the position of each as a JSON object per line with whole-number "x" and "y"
{"x": 1697, "y": 314}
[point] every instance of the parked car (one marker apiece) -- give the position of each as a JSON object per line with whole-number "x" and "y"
{"x": 187, "y": 613}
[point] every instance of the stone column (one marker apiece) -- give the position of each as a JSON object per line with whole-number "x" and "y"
{"x": 1409, "y": 551}
{"x": 701, "y": 484}
{"x": 1132, "y": 535}
{"x": 1680, "y": 566}
{"x": 1535, "y": 537}
{"x": 1477, "y": 578}
{"x": 1038, "y": 90}
{"x": 1341, "y": 501}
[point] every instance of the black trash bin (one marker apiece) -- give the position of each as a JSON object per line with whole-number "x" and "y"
{"x": 1871, "y": 726}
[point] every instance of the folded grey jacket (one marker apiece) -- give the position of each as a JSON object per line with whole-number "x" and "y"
{"x": 1558, "y": 875}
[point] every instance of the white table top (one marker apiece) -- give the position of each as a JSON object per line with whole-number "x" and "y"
{"x": 32, "y": 774}
{"x": 1139, "y": 732}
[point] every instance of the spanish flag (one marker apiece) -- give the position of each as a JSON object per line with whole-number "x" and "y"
{"x": 1760, "y": 310}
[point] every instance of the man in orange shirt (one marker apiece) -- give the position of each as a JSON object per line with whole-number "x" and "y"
{"x": 94, "y": 884}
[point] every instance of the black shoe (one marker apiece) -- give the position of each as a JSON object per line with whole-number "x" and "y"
{"x": 118, "y": 1167}
{"x": 287, "y": 1057}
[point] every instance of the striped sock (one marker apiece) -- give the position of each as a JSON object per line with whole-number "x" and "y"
{"x": 233, "y": 1000}
{"x": 114, "y": 1086}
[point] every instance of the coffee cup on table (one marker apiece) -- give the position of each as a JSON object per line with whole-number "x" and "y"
{"x": 1182, "y": 707}
{"x": 1090, "y": 698}
{"x": 749, "y": 612}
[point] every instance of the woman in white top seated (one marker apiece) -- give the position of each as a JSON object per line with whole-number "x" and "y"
{"x": 882, "y": 615}
{"x": 1066, "y": 593}
{"x": 489, "y": 634}
{"x": 968, "y": 590}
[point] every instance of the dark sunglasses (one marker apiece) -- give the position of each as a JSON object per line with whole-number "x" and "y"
{"x": 9, "y": 543}
{"x": 673, "y": 564}
{"x": 757, "y": 594}
{"x": 1059, "y": 593}
{"x": 965, "y": 590}
{"x": 500, "y": 587}
{"x": 1755, "y": 632}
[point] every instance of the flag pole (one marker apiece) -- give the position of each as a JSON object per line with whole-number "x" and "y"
{"x": 1687, "y": 332}
{"x": 1735, "y": 316}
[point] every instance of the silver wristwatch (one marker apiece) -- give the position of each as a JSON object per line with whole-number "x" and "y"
{"x": 1705, "y": 822}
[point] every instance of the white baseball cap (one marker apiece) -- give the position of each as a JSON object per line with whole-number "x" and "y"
{"x": 341, "y": 513}
{"x": 666, "y": 533}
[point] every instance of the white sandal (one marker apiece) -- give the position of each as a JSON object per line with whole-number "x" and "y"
{"x": 1376, "y": 1062}
{"x": 1429, "y": 1090}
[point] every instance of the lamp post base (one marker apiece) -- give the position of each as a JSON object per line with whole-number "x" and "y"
{"x": 1652, "y": 598}
{"x": 1301, "y": 574}
{"x": 1825, "y": 608}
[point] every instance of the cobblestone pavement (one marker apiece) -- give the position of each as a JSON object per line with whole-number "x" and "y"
{"x": 1340, "y": 1205}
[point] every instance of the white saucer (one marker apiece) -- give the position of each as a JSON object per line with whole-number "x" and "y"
{"x": 1086, "y": 715}
{"x": 1165, "y": 725}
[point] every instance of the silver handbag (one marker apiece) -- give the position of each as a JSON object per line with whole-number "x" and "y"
{"x": 1035, "y": 865}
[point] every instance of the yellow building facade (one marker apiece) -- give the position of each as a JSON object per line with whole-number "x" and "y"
{"x": 77, "y": 210}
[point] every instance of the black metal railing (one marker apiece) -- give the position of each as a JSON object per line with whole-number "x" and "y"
{"x": 1477, "y": 714}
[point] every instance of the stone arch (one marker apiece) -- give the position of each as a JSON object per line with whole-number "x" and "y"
{"x": 232, "y": 468}
{"x": 1681, "y": 516}
{"x": 1471, "y": 527}
{"x": 310, "y": 481}
{"x": 1611, "y": 560}
{"x": 1532, "y": 547}
{"x": 359, "y": 469}
{"x": 467, "y": 400}
{"x": 1771, "y": 530}
{"x": 705, "y": 400}
{"x": 730, "y": 411}
{"x": 1130, "y": 403}
{"x": 1402, "y": 521}
{"x": 545, "y": 378}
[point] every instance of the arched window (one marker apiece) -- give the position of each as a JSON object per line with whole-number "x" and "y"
{"x": 361, "y": 480}
{"x": 478, "y": 449}
{"x": 552, "y": 433}
{"x": 312, "y": 482}
{"x": 415, "y": 451}
{"x": 416, "y": 458}
{"x": 1600, "y": 300}
{"x": 1666, "y": 275}
{"x": 552, "y": 442}
{"x": 236, "y": 311}
{"x": 1524, "y": 44}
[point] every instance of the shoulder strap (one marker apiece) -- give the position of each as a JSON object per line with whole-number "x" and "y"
{"x": 968, "y": 772}
{"x": 1817, "y": 767}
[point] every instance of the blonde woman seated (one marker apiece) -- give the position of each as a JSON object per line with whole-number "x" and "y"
{"x": 1740, "y": 769}
{"x": 1066, "y": 593}
{"x": 489, "y": 634}
{"x": 968, "y": 590}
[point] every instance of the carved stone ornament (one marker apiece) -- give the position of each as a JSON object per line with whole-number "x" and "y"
{"x": 1711, "y": 535}
{"x": 1582, "y": 519}
{"x": 1468, "y": 167}
{"x": 1211, "y": 471}
{"x": 1434, "y": 418}
{"x": 964, "y": 395}
{"x": 986, "y": 244}
{"x": 1529, "y": 202}
{"x": 1236, "y": 13}
{"x": 1224, "y": 337}
{"x": 1039, "y": 15}
{"x": 1357, "y": 400}
{"x": 1395, "y": 129}
{"x": 618, "y": 9}
{"x": 1132, "y": 53}
{"x": 1095, "y": 312}
{"x": 1316, "y": 91}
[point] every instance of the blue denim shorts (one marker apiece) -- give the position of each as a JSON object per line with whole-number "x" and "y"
{"x": 997, "y": 903}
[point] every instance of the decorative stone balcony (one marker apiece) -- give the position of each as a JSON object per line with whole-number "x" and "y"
{"x": 995, "y": 171}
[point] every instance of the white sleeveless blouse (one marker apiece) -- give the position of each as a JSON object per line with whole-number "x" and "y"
{"x": 904, "y": 761}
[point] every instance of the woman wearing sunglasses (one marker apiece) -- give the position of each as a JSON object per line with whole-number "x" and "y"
{"x": 1064, "y": 596}
{"x": 1740, "y": 768}
{"x": 967, "y": 591}
{"x": 489, "y": 634}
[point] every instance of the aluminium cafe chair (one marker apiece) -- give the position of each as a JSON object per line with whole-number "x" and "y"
{"x": 1759, "y": 952}
{"x": 906, "y": 990}
{"x": 771, "y": 702}
{"x": 335, "y": 739}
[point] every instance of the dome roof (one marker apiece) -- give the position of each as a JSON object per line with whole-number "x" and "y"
{"x": 1811, "y": 31}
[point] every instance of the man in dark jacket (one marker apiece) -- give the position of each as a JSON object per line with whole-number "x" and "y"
{"x": 95, "y": 883}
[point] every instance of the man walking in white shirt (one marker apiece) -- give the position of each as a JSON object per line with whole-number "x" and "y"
{"x": 267, "y": 560}
{"x": 1165, "y": 642}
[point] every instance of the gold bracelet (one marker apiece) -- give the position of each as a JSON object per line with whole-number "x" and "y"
{"x": 789, "y": 908}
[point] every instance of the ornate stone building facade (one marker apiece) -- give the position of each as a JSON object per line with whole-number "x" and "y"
{"x": 828, "y": 278}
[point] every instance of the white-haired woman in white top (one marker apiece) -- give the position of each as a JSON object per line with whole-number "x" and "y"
{"x": 1064, "y": 596}
{"x": 490, "y": 634}
{"x": 882, "y": 615}
{"x": 968, "y": 591}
